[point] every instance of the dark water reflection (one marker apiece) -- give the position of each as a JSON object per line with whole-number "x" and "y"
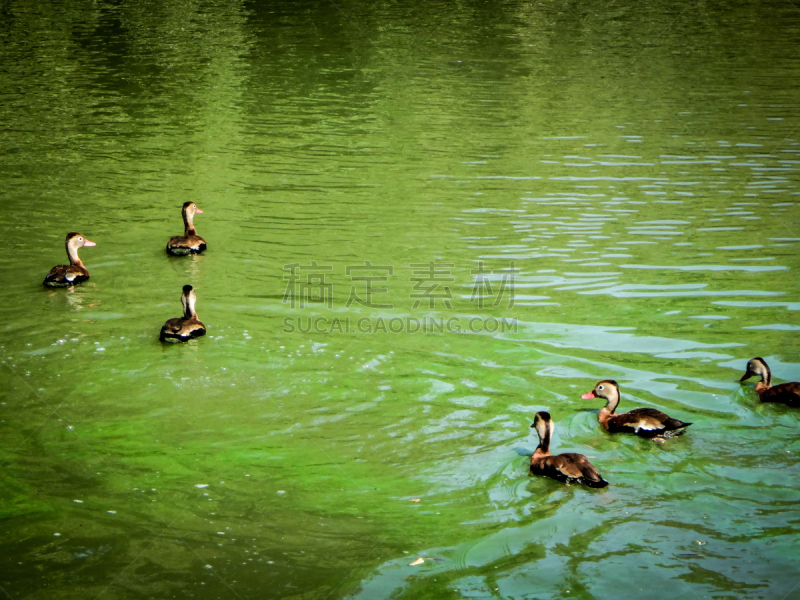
{"x": 634, "y": 166}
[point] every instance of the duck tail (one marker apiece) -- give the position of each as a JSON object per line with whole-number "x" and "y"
{"x": 594, "y": 483}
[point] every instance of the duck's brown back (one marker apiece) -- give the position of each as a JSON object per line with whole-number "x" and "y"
{"x": 786, "y": 393}
{"x": 66, "y": 275}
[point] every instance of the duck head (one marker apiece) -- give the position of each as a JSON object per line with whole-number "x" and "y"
{"x": 608, "y": 389}
{"x": 758, "y": 366}
{"x": 78, "y": 240}
{"x": 544, "y": 426}
{"x": 188, "y": 211}
{"x": 191, "y": 208}
{"x": 188, "y": 299}
{"x": 74, "y": 241}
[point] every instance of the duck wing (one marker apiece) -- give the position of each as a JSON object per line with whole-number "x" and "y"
{"x": 568, "y": 467}
{"x": 646, "y": 422}
{"x": 181, "y": 330}
{"x": 192, "y": 328}
{"x": 171, "y": 330}
{"x": 66, "y": 275}
{"x": 181, "y": 245}
{"x": 589, "y": 474}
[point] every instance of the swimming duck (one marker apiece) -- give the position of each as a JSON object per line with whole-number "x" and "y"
{"x": 183, "y": 329}
{"x": 787, "y": 393}
{"x": 189, "y": 242}
{"x": 644, "y": 422}
{"x": 74, "y": 272}
{"x": 569, "y": 467}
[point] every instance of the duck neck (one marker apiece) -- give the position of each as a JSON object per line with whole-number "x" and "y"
{"x": 188, "y": 223}
{"x": 543, "y": 449}
{"x": 766, "y": 378}
{"x": 188, "y": 308}
{"x": 604, "y": 415}
{"x": 72, "y": 253}
{"x": 608, "y": 410}
{"x": 762, "y": 387}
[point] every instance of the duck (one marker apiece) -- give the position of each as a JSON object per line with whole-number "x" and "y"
{"x": 787, "y": 393}
{"x": 189, "y": 242}
{"x": 73, "y": 273}
{"x": 568, "y": 467}
{"x": 187, "y": 327}
{"x": 644, "y": 422}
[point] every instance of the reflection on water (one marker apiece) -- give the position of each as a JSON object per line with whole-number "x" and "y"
{"x": 620, "y": 182}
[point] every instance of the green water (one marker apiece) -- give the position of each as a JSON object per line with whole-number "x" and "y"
{"x": 629, "y": 170}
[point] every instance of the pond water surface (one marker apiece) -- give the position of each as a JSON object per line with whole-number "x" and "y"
{"x": 551, "y": 193}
